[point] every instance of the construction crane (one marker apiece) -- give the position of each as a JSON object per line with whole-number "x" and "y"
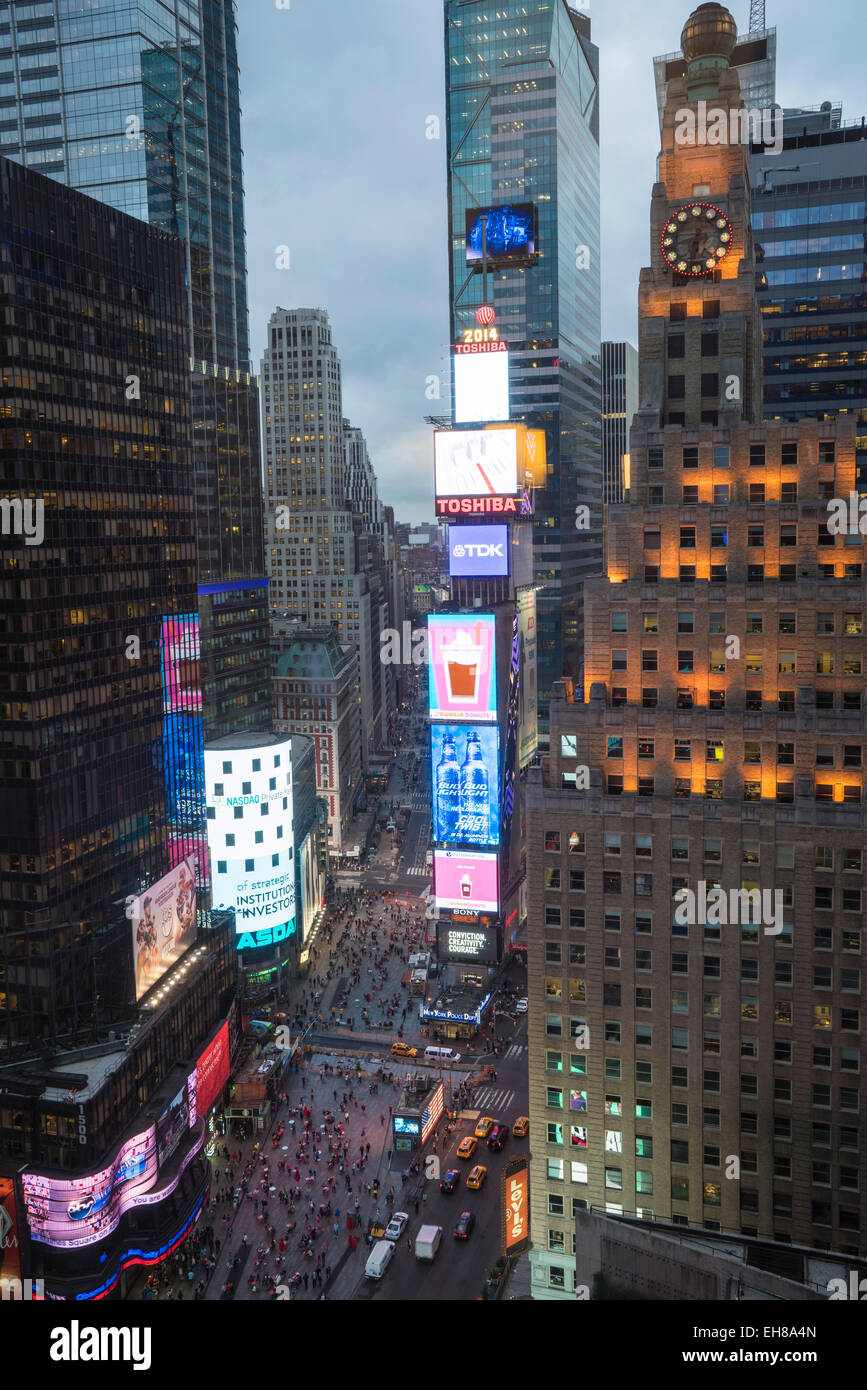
{"x": 757, "y": 15}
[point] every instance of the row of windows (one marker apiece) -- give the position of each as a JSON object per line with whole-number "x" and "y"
{"x": 758, "y": 454}
{"x": 851, "y": 623}
{"x": 848, "y": 1059}
{"x": 753, "y": 700}
{"x": 850, "y": 664}
{"x": 824, "y": 855}
{"x": 848, "y": 1020}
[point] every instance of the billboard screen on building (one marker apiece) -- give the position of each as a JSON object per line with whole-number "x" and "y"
{"x": 431, "y": 1114}
{"x": 508, "y": 234}
{"x": 68, "y": 1213}
{"x": 163, "y": 924}
{"x": 478, "y": 552}
{"x": 528, "y": 718}
{"x": 310, "y": 890}
{"x": 465, "y": 880}
{"x": 462, "y": 667}
{"x": 250, "y": 808}
{"x": 457, "y": 942}
{"x": 465, "y": 778}
{"x": 481, "y": 387}
{"x": 10, "y": 1251}
{"x": 211, "y": 1073}
{"x": 476, "y": 463}
{"x": 180, "y": 655}
{"x": 516, "y": 1206}
{"x": 532, "y": 454}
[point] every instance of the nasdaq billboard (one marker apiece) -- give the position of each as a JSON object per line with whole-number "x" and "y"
{"x": 478, "y": 552}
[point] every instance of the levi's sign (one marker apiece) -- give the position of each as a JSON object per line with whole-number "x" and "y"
{"x": 478, "y": 551}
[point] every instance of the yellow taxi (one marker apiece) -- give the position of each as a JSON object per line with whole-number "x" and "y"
{"x": 402, "y": 1049}
{"x": 521, "y": 1127}
{"x": 477, "y": 1176}
{"x": 467, "y": 1147}
{"x": 484, "y": 1127}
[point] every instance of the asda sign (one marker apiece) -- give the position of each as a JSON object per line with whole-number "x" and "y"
{"x": 268, "y": 936}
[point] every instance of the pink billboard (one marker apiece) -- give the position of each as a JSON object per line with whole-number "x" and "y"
{"x": 464, "y": 881}
{"x": 182, "y": 687}
{"x": 463, "y": 671}
{"x": 72, "y": 1212}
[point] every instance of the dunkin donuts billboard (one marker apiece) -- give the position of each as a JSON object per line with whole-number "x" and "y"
{"x": 464, "y": 881}
{"x": 462, "y": 665}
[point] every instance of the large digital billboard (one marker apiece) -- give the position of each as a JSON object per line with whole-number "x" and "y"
{"x": 163, "y": 924}
{"x": 508, "y": 234}
{"x": 180, "y": 652}
{"x": 516, "y": 1206}
{"x": 478, "y": 552}
{"x": 462, "y": 666}
{"x": 248, "y": 789}
{"x": 476, "y": 463}
{"x": 10, "y": 1251}
{"x": 459, "y": 942}
{"x": 183, "y": 728}
{"x": 528, "y": 719}
{"x": 532, "y": 454}
{"x": 481, "y": 387}
{"x": 465, "y": 776}
{"x": 211, "y": 1073}
{"x": 463, "y": 879}
{"x": 311, "y": 896}
{"x": 71, "y": 1212}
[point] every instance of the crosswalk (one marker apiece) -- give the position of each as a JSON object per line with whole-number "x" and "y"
{"x": 418, "y": 869}
{"x": 516, "y": 1050}
{"x": 493, "y": 1099}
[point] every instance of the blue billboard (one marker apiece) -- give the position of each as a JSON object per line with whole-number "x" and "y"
{"x": 465, "y": 763}
{"x": 478, "y": 552}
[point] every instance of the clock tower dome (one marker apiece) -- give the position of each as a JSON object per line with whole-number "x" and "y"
{"x": 700, "y": 359}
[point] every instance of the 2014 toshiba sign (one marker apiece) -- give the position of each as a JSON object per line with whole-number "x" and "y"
{"x": 248, "y": 790}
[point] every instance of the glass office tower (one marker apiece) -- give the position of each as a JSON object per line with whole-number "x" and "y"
{"x": 522, "y": 115}
{"x": 137, "y": 105}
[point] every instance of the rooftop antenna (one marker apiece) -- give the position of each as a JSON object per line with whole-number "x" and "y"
{"x": 757, "y": 16}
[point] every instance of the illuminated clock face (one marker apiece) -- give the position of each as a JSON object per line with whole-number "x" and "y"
{"x": 473, "y": 463}
{"x": 696, "y": 239}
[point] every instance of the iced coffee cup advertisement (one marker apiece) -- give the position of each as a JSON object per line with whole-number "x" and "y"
{"x": 462, "y": 667}
{"x": 465, "y": 782}
{"x": 463, "y": 880}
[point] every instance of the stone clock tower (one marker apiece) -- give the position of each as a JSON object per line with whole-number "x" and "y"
{"x": 699, "y": 324}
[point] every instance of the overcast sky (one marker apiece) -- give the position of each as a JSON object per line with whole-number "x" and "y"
{"x": 335, "y": 96}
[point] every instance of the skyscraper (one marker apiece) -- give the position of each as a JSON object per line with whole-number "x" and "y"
{"x": 809, "y": 204}
{"x": 138, "y": 106}
{"x": 522, "y": 103}
{"x": 696, "y": 840}
{"x": 83, "y": 797}
{"x": 326, "y": 555}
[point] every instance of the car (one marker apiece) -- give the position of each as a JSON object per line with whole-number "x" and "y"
{"x": 497, "y": 1137}
{"x": 467, "y": 1147}
{"x": 521, "y": 1127}
{"x": 464, "y": 1224}
{"x": 521, "y": 1006}
{"x": 484, "y": 1127}
{"x": 395, "y": 1228}
{"x": 477, "y": 1176}
{"x": 450, "y": 1180}
{"x": 402, "y": 1049}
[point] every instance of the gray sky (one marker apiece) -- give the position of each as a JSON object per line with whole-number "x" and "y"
{"x": 335, "y": 96}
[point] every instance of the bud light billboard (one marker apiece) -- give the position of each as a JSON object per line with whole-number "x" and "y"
{"x": 478, "y": 552}
{"x": 462, "y": 666}
{"x": 465, "y": 767}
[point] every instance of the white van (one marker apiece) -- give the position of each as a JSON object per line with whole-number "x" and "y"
{"x": 441, "y": 1054}
{"x": 379, "y": 1259}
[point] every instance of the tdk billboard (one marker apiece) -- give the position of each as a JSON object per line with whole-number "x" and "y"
{"x": 478, "y": 552}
